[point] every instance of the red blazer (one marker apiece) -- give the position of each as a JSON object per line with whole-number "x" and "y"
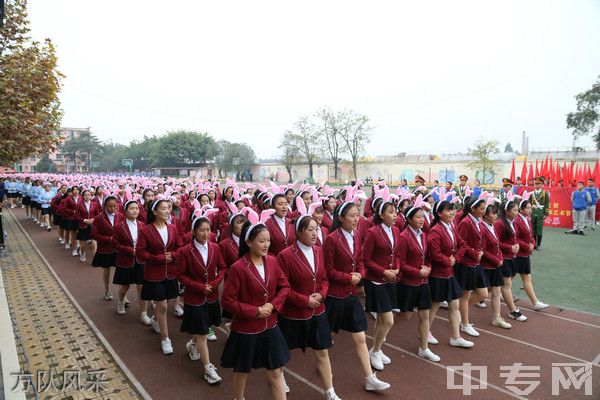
{"x": 98, "y": 201}
{"x": 293, "y": 215}
{"x": 143, "y": 215}
{"x": 195, "y": 275}
{"x": 324, "y": 233}
{"x": 378, "y": 253}
{"x": 55, "y": 204}
{"x": 411, "y": 257}
{"x": 507, "y": 238}
{"x": 441, "y": 248}
{"x": 469, "y": 232}
{"x": 150, "y": 250}
{"x": 492, "y": 255}
{"x": 524, "y": 236}
{"x": 303, "y": 281}
{"x": 185, "y": 223}
{"x": 368, "y": 210}
{"x": 229, "y": 250}
{"x": 401, "y": 222}
{"x": 427, "y": 223}
{"x": 123, "y": 242}
{"x": 103, "y": 231}
{"x": 364, "y": 224}
{"x": 70, "y": 207}
{"x": 82, "y": 213}
{"x": 278, "y": 241}
{"x": 244, "y": 291}
{"x": 327, "y": 221}
{"x": 340, "y": 262}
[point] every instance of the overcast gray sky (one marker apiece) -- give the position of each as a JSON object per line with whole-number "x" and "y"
{"x": 431, "y": 75}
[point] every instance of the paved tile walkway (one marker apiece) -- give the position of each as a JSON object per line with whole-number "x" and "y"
{"x": 54, "y": 341}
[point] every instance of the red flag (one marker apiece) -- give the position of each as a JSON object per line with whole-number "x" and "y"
{"x": 556, "y": 174}
{"x": 537, "y": 171}
{"x": 596, "y": 174}
{"x": 589, "y": 172}
{"x": 531, "y": 176}
{"x": 512, "y": 171}
{"x": 524, "y": 173}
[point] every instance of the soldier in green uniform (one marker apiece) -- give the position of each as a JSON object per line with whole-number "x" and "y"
{"x": 507, "y": 186}
{"x": 540, "y": 202}
{"x": 461, "y": 190}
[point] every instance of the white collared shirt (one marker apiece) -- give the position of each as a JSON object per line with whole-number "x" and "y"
{"x": 236, "y": 239}
{"x": 525, "y": 220}
{"x": 308, "y": 253}
{"x": 87, "y": 205}
{"x": 111, "y": 218}
{"x": 512, "y": 224}
{"x": 427, "y": 216}
{"x": 320, "y": 234}
{"x": 203, "y": 249}
{"x": 261, "y": 270}
{"x": 389, "y": 233}
{"x": 350, "y": 239}
{"x": 281, "y": 222}
{"x": 417, "y": 235}
{"x": 133, "y": 229}
{"x": 476, "y": 221}
{"x": 449, "y": 230}
{"x": 491, "y": 229}
{"x": 164, "y": 234}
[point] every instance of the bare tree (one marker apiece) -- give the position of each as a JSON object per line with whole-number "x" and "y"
{"x": 308, "y": 141}
{"x": 331, "y": 126}
{"x": 355, "y": 133}
{"x": 290, "y": 156}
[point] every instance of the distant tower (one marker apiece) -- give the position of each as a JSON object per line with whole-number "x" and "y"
{"x": 524, "y": 144}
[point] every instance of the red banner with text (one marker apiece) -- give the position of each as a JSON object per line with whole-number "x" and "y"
{"x": 560, "y": 210}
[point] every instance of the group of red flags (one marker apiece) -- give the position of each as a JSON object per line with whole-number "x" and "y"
{"x": 556, "y": 175}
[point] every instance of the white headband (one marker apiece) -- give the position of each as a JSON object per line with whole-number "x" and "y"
{"x": 251, "y": 228}
{"x": 300, "y": 219}
{"x": 343, "y": 206}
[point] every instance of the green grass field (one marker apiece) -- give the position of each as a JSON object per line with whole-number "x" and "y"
{"x": 566, "y": 272}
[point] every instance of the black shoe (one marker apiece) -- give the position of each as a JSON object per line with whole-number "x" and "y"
{"x": 581, "y": 233}
{"x": 572, "y": 232}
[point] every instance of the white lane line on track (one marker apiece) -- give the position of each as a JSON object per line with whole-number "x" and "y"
{"x": 446, "y": 368}
{"x": 527, "y": 343}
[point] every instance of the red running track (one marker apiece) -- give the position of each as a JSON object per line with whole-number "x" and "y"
{"x": 552, "y": 336}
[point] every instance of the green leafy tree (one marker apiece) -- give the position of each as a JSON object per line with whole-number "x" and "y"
{"x": 82, "y": 147}
{"x": 483, "y": 153}
{"x": 586, "y": 120}
{"x": 508, "y": 148}
{"x": 236, "y": 158}
{"x": 111, "y": 155}
{"x": 45, "y": 165}
{"x": 30, "y": 111}
{"x": 183, "y": 148}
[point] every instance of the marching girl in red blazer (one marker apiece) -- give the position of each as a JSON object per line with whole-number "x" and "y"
{"x": 69, "y": 216}
{"x": 129, "y": 270}
{"x": 99, "y": 195}
{"x": 85, "y": 214}
{"x": 401, "y": 222}
{"x": 468, "y": 270}
{"x": 492, "y": 259}
{"x": 415, "y": 268}
{"x": 280, "y": 229}
{"x": 144, "y": 203}
{"x": 329, "y": 205}
{"x": 345, "y": 269}
{"x": 158, "y": 248}
{"x": 57, "y": 212}
{"x": 103, "y": 229}
{"x": 303, "y": 320}
{"x": 445, "y": 247}
{"x": 380, "y": 256}
{"x": 526, "y": 241}
{"x": 322, "y": 232}
{"x": 254, "y": 292}
{"x": 506, "y": 231}
{"x": 201, "y": 271}
{"x": 180, "y": 213}
{"x": 306, "y": 198}
{"x": 230, "y": 247}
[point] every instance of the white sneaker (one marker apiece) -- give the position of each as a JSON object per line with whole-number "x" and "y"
{"x": 500, "y": 322}
{"x": 372, "y": 383}
{"x": 166, "y": 346}
{"x": 444, "y": 304}
{"x": 385, "y": 359}
{"x": 154, "y": 325}
{"x": 468, "y": 329}
{"x": 376, "y": 361}
{"x": 74, "y": 253}
{"x": 82, "y": 257}
{"x": 396, "y": 310}
{"x": 286, "y": 388}
{"x": 482, "y": 304}
{"x": 211, "y": 337}
{"x": 145, "y": 319}
{"x": 178, "y": 311}
{"x": 373, "y": 314}
{"x": 210, "y": 374}
{"x": 460, "y": 342}
{"x": 330, "y": 395}
{"x": 126, "y": 301}
{"x": 428, "y": 354}
{"x": 192, "y": 350}
{"x": 108, "y": 296}
{"x": 42, "y": 224}
{"x": 120, "y": 307}
{"x": 539, "y": 306}
{"x": 516, "y": 315}
{"x": 61, "y": 241}
{"x": 431, "y": 339}
{"x": 67, "y": 246}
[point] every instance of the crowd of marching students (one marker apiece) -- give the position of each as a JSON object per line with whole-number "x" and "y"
{"x": 284, "y": 266}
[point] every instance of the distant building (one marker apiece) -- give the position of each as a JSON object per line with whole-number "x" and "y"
{"x": 61, "y": 160}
